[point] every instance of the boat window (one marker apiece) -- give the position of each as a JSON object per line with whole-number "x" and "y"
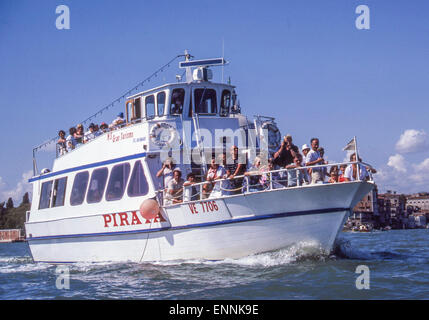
{"x": 225, "y": 102}
{"x": 177, "y": 101}
{"x": 45, "y": 195}
{"x": 97, "y": 185}
{"x": 59, "y": 192}
{"x": 138, "y": 184}
{"x": 117, "y": 182}
{"x": 79, "y": 188}
{"x": 150, "y": 106}
{"x": 205, "y": 101}
{"x": 160, "y": 102}
{"x": 137, "y": 110}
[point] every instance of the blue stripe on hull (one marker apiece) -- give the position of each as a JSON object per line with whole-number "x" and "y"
{"x": 198, "y": 225}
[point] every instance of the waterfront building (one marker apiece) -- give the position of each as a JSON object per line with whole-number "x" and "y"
{"x": 418, "y": 203}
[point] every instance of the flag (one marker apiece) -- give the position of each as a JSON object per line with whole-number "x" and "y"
{"x": 351, "y": 145}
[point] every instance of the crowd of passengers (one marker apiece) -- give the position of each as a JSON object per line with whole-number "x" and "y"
{"x": 78, "y": 136}
{"x": 258, "y": 178}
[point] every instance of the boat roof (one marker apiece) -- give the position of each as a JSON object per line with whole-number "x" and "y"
{"x": 179, "y": 84}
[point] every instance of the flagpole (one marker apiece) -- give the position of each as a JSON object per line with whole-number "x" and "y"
{"x": 357, "y": 160}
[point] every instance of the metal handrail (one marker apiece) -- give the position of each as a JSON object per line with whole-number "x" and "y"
{"x": 269, "y": 180}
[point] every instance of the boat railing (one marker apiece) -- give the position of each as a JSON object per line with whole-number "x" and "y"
{"x": 254, "y": 181}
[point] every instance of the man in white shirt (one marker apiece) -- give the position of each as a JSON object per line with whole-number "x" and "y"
{"x": 175, "y": 187}
{"x": 350, "y": 173}
{"x": 313, "y": 158}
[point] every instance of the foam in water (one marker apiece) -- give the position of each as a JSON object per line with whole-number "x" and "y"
{"x": 297, "y": 252}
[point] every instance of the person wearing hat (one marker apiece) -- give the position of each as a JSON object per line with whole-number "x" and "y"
{"x": 104, "y": 127}
{"x": 79, "y": 134}
{"x": 286, "y": 153}
{"x": 305, "y": 149}
{"x": 118, "y": 121}
{"x": 89, "y": 135}
{"x": 175, "y": 187}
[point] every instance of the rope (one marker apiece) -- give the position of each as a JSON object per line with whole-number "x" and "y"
{"x": 117, "y": 100}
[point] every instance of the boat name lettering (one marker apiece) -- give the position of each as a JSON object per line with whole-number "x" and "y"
{"x": 128, "y": 219}
{"x": 207, "y": 206}
{"x": 115, "y": 137}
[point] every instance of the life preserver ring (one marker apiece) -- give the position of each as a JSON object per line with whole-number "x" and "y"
{"x": 274, "y": 137}
{"x": 159, "y": 136}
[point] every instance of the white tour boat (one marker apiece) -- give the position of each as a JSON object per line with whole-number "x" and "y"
{"x": 103, "y": 200}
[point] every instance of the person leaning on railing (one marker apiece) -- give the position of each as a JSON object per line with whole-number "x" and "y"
{"x": 255, "y": 177}
{"x": 175, "y": 188}
{"x": 62, "y": 146}
{"x": 235, "y": 169}
{"x": 215, "y": 172}
{"x": 351, "y": 172}
{"x": 297, "y": 176}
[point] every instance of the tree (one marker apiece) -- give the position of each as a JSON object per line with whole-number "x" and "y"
{"x": 1, "y": 208}
{"x": 25, "y": 199}
{"x": 9, "y": 204}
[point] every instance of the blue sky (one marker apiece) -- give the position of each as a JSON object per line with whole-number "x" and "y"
{"x": 303, "y": 62}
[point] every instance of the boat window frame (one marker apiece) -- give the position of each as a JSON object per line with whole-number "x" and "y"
{"x": 104, "y": 186}
{"x": 205, "y": 89}
{"x": 124, "y": 186}
{"x": 42, "y": 193}
{"x": 157, "y": 103}
{"x": 55, "y": 190}
{"x": 171, "y": 102}
{"x": 222, "y": 107}
{"x": 131, "y": 180}
{"x": 145, "y": 107}
{"x": 84, "y": 191}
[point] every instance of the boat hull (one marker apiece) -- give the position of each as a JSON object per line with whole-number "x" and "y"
{"x": 241, "y": 225}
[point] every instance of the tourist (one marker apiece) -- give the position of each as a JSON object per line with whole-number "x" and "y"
{"x": 286, "y": 153}
{"x": 324, "y": 170}
{"x": 79, "y": 134}
{"x": 104, "y": 127}
{"x": 70, "y": 138}
{"x": 175, "y": 187}
{"x": 255, "y": 179}
{"x": 351, "y": 172}
{"x": 295, "y": 175}
{"x": 61, "y": 143}
{"x": 341, "y": 173}
{"x": 313, "y": 158}
{"x": 190, "y": 192}
{"x": 333, "y": 175}
{"x": 118, "y": 121}
{"x": 234, "y": 169}
{"x": 305, "y": 149}
{"x": 90, "y": 134}
{"x": 166, "y": 171}
{"x": 275, "y": 177}
{"x": 215, "y": 172}
{"x": 97, "y": 131}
